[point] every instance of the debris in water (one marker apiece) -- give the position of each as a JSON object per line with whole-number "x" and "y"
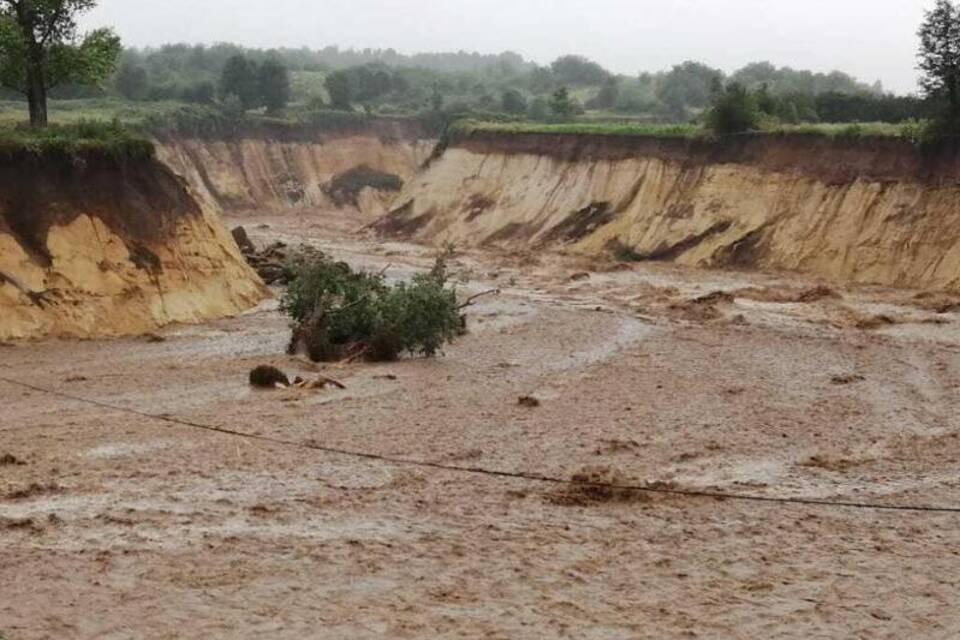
{"x": 271, "y": 262}
{"x": 267, "y": 377}
{"x": 874, "y": 322}
{"x": 715, "y": 297}
{"x": 322, "y": 382}
{"x": 788, "y": 295}
{"x": 596, "y": 485}
{"x": 20, "y": 524}
{"x": 529, "y": 402}
{"x": 35, "y": 489}
{"x": 10, "y": 460}
{"x": 847, "y": 379}
{"x": 937, "y": 302}
{"x": 243, "y": 240}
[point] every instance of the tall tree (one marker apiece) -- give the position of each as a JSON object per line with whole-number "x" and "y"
{"x": 578, "y": 70}
{"x": 40, "y": 48}
{"x": 562, "y": 105}
{"x": 608, "y": 96}
{"x": 273, "y": 80}
{"x": 131, "y": 80}
{"x": 239, "y": 78}
{"x": 340, "y": 87}
{"x": 734, "y": 110}
{"x": 512, "y": 101}
{"x": 940, "y": 58}
{"x": 686, "y": 86}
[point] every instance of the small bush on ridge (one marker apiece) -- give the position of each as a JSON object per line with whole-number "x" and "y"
{"x": 734, "y": 110}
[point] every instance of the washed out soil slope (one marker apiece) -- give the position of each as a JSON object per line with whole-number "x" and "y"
{"x": 867, "y": 210}
{"x": 101, "y": 246}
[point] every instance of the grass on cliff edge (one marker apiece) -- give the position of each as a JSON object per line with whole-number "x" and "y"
{"x": 83, "y": 139}
{"x": 909, "y": 130}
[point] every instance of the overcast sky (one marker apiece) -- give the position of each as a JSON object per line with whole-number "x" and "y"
{"x": 871, "y": 39}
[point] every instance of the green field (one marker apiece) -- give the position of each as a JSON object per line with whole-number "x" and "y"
{"x": 859, "y": 130}
{"x": 75, "y": 125}
{"x": 74, "y": 141}
{"x": 73, "y": 111}
{"x": 593, "y": 128}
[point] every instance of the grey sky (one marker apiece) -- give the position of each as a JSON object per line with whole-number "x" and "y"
{"x": 872, "y": 39}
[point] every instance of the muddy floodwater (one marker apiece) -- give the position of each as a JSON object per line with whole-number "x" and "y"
{"x": 115, "y": 524}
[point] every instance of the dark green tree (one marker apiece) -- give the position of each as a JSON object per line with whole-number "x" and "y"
{"x": 436, "y": 99}
{"x": 765, "y": 101}
{"x": 539, "y": 109}
{"x": 199, "y": 92}
{"x": 562, "y": 105}
{"x": 608, "y": 96}
{"x": 577, "y": 70}
{"x": 340, "y": 89}
{"x": 273, "y": 80}
{"x": 687, "y": 86}
{"x": 239, "y": 78}
{"x": 41, "y": 48}
{"x": 541, "y": 80}
{"x": 131, "y": 80}
{"x": 734, "y": 110}
{"x": 512, "y": 101}
{"x": 940, "y": 60}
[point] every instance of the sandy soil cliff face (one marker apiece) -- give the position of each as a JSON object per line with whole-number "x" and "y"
{"x": 872, "y": 215}
{"x": 107, "y": 249}
{"x": 260, "y": 172}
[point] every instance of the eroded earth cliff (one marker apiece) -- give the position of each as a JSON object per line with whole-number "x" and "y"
{"x": 283, "y": 169}
{"x": 99, "y": 246}
{"x": 851, "y": 210}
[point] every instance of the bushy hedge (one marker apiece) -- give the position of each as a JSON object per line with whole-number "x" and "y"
{"x": 734, "y": 110}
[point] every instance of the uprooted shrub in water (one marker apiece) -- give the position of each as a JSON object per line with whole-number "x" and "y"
{"x": 339, "y": 313}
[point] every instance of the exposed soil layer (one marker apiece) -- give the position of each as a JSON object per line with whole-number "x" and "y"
{"x": 103, "y": 247}
{"x": 831, "y": 160}
{"x": 120, "y": 526}
{"x": 872, "y": 211}
{"x": 139, "y": 200}
{"x": 279, "y": 172}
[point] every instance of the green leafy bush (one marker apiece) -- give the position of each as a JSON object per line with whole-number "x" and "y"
{"x": 734, "y": 110}
{"x": 339, "y": 313}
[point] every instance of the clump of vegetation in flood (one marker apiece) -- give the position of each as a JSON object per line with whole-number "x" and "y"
{"x": 339, "y": 313}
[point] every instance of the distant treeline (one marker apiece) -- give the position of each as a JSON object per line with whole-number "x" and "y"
{"x": 386, "y": 82}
